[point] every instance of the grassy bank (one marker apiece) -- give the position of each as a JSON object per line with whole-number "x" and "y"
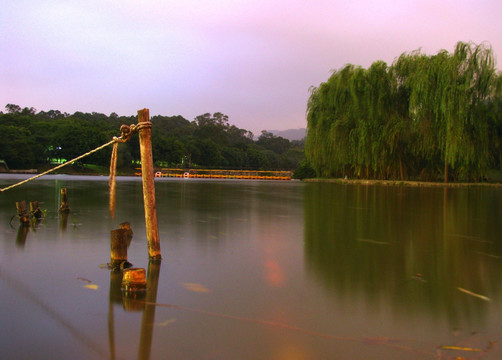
{"x": 404, "y": 183}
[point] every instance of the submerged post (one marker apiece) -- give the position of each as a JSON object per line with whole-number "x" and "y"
{"x": 35, "y": 210}
{"x": 22, "y": 213}
{"x": 118, "y": 249}
{"x": 145, "y": 145}
{"x": 64, "y": 208}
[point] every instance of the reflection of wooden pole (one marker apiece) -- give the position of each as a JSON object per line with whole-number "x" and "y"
{"x": 148, "y": 319}
{"x": 115, "y": 297}
{"x": 22, "y": 232}
{"x": 63, "y": 220}
{"x": 145, "y": 144}
{"x": 111, "y": 329}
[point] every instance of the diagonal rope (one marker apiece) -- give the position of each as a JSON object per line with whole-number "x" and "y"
{"x": 62, "y": 165}
{"x": 126, "y": 132}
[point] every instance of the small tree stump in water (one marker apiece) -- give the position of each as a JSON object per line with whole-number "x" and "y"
{"x": 133, "y": 280}
{"x": 127, "y": 227}
{"x": 118, "y": 249}
{"x": 64, "y": 208}
{"x": 24, "y": 217}
{"x": 35, "y": 210}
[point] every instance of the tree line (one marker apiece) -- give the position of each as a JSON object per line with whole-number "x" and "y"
{"x": 34, "y": 139}
{"x": 424, "y": 117}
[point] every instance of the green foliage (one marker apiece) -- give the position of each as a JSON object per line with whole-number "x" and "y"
{"x": 32, "y": 139}
{"x": 421, "y": 117}
{"x": 304, "y": 171}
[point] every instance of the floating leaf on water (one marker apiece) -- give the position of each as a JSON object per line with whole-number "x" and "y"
{"x": 371, "y": 241}
{"x": 471, "y": 238}
{"x": 459, "y": 348}
{"x": 419, "y": 277}
{"x": 489, "y": 255}
{"x": 196, "y": 287}
{"x": 482, "y": 297}
{"x": 165, "y": 323}
{"x": 84, "y": 279}
{"x": 91, "y": 286}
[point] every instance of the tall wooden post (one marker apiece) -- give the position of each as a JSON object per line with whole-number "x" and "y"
{"x": 145, "y": 145}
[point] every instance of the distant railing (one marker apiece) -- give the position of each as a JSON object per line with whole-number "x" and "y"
{"x": 221, "y": 174}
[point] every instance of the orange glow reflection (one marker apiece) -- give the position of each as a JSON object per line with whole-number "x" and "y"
{"x": 273, "y": 273}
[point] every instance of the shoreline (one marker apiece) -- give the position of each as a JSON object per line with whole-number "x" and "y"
{"x": 403, "y": 183}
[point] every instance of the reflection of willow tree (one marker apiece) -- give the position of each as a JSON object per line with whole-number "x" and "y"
{"x": 419, "y": 117}
{"x": 410, "y": 246}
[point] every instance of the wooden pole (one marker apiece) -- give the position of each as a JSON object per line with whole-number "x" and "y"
{"x": 145, "y": 145}
{"x": 22, "y": 213}
{"x": 64, "y": 207}
{"x": 35, "y": 210}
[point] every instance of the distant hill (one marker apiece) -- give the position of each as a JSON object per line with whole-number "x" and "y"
{"x": 290, "y": 134}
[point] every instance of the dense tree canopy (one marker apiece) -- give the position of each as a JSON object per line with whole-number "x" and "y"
{"x": 423, "y": 117}
{"x": 31, "y": 139}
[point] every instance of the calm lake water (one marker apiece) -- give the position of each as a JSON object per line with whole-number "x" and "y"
{"x": 255, "y": 270}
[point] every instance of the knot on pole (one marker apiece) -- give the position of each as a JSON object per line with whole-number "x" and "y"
{"x": 126, "y": 131}
{"x": 143, "y": 125}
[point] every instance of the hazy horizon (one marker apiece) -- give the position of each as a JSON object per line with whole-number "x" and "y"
{"x": 251, "y": 60}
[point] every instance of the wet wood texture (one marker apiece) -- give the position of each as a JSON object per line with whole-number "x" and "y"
{"x": 145, "y": 144}
{"x": 118, "y": 246}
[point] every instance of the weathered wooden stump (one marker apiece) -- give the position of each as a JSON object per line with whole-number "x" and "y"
{"x": 133, "y": 289}
{"x": 118, "y": 249}
{"x": 134, "y": 280}
{"x": 127, "y": 227}
{"x": 35, "y": 210}
{"x": 22, "y": 213}
{"x": 64, "y": 207}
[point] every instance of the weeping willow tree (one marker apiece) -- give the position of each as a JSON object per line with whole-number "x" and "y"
{"x": 448, "y": 95}
{"x": 422, "y": 116}
{"x": 354, "y": 128}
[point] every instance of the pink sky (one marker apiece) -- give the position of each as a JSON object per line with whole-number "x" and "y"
{"x": 252, "y": 60}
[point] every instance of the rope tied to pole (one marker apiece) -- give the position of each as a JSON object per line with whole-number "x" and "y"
{"x": 126, "y": 132}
